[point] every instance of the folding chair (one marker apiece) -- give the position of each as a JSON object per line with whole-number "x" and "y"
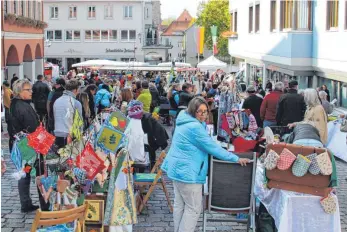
{"x": 230, "y": 190}
{"x": 152, "y": 180}
{"x": 58, "y": 218}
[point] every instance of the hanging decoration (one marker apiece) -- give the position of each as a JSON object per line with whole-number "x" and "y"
{"x": 214, "y": 39}
{"x": 77, "y": 125}
{"x": 109, "y": 139}
{"x": 40, "y": 140}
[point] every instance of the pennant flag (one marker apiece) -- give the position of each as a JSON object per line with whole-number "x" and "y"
{"x": 214, "y": 39}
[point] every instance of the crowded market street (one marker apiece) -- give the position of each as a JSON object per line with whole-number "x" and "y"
{"x": 173, "y": 115}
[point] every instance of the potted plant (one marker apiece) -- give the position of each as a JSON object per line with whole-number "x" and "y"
{"x": 10, "y": 18}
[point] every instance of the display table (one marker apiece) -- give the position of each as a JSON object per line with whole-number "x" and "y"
{"x": 337, "y": 141}
{"x": 294, "y": 211}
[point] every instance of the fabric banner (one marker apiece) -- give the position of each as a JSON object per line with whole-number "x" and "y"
{"x": 214, "y": 39}
{"x": 202, "y": 40}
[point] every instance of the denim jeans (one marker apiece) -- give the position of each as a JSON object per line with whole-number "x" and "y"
{"x": 187, "y": 206}
{"x": 269, "y": 123}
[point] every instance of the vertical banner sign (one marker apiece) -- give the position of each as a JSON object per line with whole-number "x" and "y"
{"x": 198, "y": 35}
{"x": 214, "y": 39}
{"x": 202, "y": 40}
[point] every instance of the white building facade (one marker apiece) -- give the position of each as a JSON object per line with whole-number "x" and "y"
{"x": 284, "y": 40}
{"x": 114, "y": 29}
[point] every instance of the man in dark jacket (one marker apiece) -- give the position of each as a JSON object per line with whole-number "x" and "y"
{"x": 22, "y": 117}
{"x": 291, "y": 106}
{"x": 185, "y": 96}
{"x": 13, "y": 80}
{"x": 40, "y": 96}
{"x": 253, "y": 103}
{"x": 155, "y": 96}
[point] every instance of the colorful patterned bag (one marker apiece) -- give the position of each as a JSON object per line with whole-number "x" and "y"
{"x": 324, "y": 163}
{"x": 329, "y": 205}
{"x": 301, "y": 166}
{"x": 271, "y": 160}
{"x": 314, "y": 168}
{"x": 286, "y": 159}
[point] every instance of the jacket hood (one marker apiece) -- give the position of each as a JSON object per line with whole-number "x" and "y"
{"x": 184, "y": 118}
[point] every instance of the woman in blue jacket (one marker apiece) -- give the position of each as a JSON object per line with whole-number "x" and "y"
{"x": 103, "y": 98}
{"x": 187, "y": 163}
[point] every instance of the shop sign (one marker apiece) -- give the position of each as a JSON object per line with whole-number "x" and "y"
{"x": 119, "y": 50}
{"x": 73, "y": 51}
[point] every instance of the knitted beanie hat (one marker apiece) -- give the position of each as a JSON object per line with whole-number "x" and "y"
{"x": 135, "y": 109}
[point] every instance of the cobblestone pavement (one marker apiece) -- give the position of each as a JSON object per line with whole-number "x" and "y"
{"x": 155, "y": 218}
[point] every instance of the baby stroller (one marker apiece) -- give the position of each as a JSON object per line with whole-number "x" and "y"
{"x": 164, "y": 109}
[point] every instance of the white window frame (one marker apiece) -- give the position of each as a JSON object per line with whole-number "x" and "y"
{"x": 71, "y": 16}
{"x": 72, "y": 35}
{"x": 108, "y": 35}
{"x": 126, "y": 12}
{"x": 55, "y": 12}
{"x": 108, "y": 12}
{"x": 54, "y": 39}
{"x": 91, "y": 10}
{"x": 92, "y": 36}
{"x": 128, "y": 36}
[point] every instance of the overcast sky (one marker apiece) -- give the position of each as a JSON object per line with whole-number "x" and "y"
{"x": 173, "y": 8}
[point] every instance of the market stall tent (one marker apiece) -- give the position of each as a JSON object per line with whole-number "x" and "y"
{"x": 99, "y": 63}
{"x": 212, "y": 63}
{"x": 177, "y": 64}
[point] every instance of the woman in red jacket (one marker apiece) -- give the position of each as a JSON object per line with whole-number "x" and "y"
{"x": 268, "y": 107}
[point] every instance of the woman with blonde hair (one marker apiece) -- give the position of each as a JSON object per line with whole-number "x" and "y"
{"x": 84, "y": 99}
{"x": 314, "y": 115}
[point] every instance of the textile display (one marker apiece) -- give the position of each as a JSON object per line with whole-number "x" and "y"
{"x": 324, "y": 163}
{"x": 293, "y": 211}
{"x": 314, "y": 168}
{"x": 40, "y": 140}
{"x": 119, "y": 121}
{"x": 123, "y": 210}
{"x": 329, "y": 205}
{"x": 90, "y": 162}
{"x": 77, "y": 125}
{"x": 301, "y": 166}
{"x": 286, "y": 159}
{"x": 109, "y": 139}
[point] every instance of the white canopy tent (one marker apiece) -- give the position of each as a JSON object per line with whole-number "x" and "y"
{"x": 99, "y": 63}
{"x": 177, "y": 64}
{"x": 212, "y": 63}
{"x": 143, "y": 68}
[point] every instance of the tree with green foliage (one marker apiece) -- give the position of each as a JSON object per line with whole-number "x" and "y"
{"x": 215, "y": 13}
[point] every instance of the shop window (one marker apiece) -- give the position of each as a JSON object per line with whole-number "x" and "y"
{"x": 72, "y": 12}
{"x": 57, "y": 35}
{"x": 273, "y": 15}
{"x": 72, "y": 35}
{"x": 127, "y": 11}
{"x": 132, "y": 35}
{"x": 91, "y": 12}
{"x": 96, "y": 35}
{"x": 344, "y": 95}
{"x": 53, "y": 13}
{"x": 257, "y": 17}
{"x": 104, "y": 35}
{"x": 124, "y": 35}
{"x": 250, "y": 19}
{"x": 88, "y": 35}
{"x": 113, "y": 35}
{"x": 54, "y": 35}
{"x": 108, "y": 12}
{"x": 332, "y": 14}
